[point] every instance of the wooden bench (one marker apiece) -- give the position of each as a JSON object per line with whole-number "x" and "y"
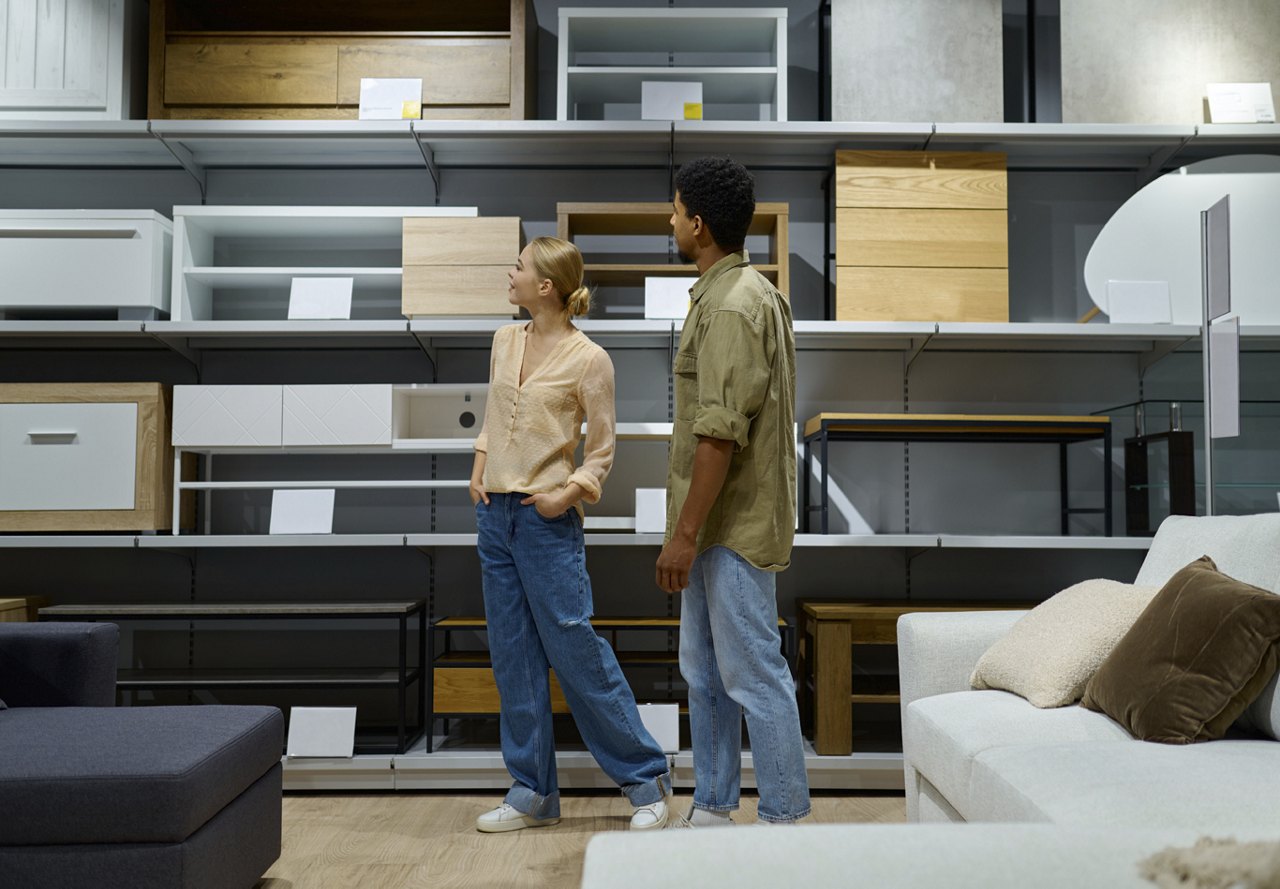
{"x": 825, "y": 428}
{"x": 828, "y": 631}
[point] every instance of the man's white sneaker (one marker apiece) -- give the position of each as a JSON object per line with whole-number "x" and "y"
{"x": 651, "y": 817}
{"x": 506, "y": 817}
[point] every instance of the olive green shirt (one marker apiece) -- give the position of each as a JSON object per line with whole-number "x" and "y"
{"x": 735, "y": 379}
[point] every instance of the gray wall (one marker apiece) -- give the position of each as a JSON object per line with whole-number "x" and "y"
{"x": 1148, "y": 61}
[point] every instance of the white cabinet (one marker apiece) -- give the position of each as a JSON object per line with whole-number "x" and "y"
{"x": 67, "y": 456}
{"x": 738, "y": 55}
{"x": 238, "y": 263}
{"x": 438, "y": 411}
{"x": 86, "y": 262}
{"x": 337, "y": 415}
{"x": 73, "y": 59}
{"x": 227, "y": 416}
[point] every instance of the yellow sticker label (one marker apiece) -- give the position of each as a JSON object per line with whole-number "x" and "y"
{"x": 693, "y": 111}
{"x": 410, "y": 109}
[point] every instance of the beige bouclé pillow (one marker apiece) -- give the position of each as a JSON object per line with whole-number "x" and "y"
{"x": 1049, "y": 655}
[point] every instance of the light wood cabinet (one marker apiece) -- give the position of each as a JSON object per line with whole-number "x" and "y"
{"x": 458, "y": 266}
{"x": 921, "y": 236}
{"x": 299, "y": 60}
{"x": 84, "y": 457}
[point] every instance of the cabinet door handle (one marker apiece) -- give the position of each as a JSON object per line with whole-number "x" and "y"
{"x": 51, "y": 437}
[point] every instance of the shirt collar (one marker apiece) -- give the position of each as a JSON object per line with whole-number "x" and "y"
{"x": 734, "y": 260}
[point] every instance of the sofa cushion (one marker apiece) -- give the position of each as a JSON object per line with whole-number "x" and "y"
{"x": 127, "y": 774}
{"x": 945, "y": 732}
{"x": 1245, "y": 547}
{"x": 1221, "y": 786}
{"x": 1051, "y": 652}
{"x": 1197, "y": 657}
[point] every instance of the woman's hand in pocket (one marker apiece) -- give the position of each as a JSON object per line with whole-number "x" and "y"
{"x": 549, "y": 506}
{"x": 478, "y": 493}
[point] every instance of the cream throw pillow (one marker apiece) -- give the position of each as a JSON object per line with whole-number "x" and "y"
{"x": 1049, "y": 655}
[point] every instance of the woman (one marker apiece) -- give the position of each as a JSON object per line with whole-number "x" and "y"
{"x": 544, "y": 376}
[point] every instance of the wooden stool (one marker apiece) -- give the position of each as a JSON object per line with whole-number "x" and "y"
{"x": 828, "y": 632}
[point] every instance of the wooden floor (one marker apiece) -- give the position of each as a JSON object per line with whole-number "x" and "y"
{"x": 375, "y": 841}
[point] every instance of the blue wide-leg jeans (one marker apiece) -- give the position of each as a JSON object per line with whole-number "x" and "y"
{"x": 537, "y": 601}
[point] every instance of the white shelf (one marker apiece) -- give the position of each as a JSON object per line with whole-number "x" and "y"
{"x": 959, "y": 541}
{"x": 346, "y": 484}
{"x": 433, "y": 445}
{"x": 241, "y": 277}
{"x": 68, "y": 541}
{"x": 720, "y": 86}
{"x": 256, "y": 541}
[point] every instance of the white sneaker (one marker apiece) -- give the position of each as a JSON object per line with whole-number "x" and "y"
{"x": 506, "y": 817}
{"x": 707, "y": 818}
{"x": 651, "y": 817}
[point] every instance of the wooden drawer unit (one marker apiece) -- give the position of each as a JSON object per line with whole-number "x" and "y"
{"x": 458, "y": 266}
{"x": 84, "y": 457}
{"x": 290, "y": 59}
{"x": 86, "y": 262}
{"x": 921, "y": 236}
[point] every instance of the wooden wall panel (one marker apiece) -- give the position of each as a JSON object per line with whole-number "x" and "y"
{"x": 493, "y": 240}
{"x": 940, "y": 238}
{"x": 477, "y": 73}
{"x": 456, "y": 290}
{"x": 921, "y": 179}
{"x": 250, "y": 74}
{"x": 922, "y": 294}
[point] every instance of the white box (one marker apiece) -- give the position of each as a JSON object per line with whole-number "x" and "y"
{"x": 320, "y": 299}
{"x": 390, "y": 98}
{"x": 68, "y": 456}
{"x": 667, "y": 297}
{"x": 651, "y": 510}
{"x": 1241, "y": 103}
{"x": 322, "y": 731}
{"x": 337, "y": 415}
{"x": 302, "y": 511}
{"x": 670, "y": 100}
{"x": 663, "y": 722}
{"x": 227, "y": 416}
{"x": 439, "y": 410}
{"x": 86, "y": 261}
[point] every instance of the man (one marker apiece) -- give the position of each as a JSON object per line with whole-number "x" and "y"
{"x": 731, "y": 503}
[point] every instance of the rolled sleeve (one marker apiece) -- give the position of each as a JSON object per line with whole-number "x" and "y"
{"x": 733, "y": 378}
{"x": 595, "y": 397}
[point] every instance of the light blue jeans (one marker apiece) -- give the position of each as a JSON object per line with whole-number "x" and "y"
{"x": 730, "y": 654}
{"x": 537, "y": 601}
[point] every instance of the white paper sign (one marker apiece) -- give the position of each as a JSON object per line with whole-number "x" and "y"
{"x": 322, "y": 731}
{"x": 390, "y": 98}
{"x": 667, "y": 297}
{"x": 306, "y": 511}
{"x": 320, "y": 298}
{"x": 1241, "y": 103}
{"x": 651, "y": 510}
{"x": 663, "y": 722}
{"x": 1224, "y": 375}
{"x": 670, "y": 100}
{"x": 1139, "y": 302}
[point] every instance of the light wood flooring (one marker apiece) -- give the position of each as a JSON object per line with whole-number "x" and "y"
{"x": 429, "y": 840}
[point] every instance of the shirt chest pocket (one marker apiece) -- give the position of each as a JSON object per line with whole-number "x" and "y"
{"x": 685, "y": 373}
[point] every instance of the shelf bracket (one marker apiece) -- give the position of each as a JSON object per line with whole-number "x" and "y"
{"x": 429, "y": 351}
{"x": 187, "y": 161}
{"x": 919, "y": 347}
{"x": 1147, "y": 360}
{"x": 179, "y": 348}
{"x": 428, "y": 158}
{"x": 1157, "y": 161}
{"x": 933, "y": 131}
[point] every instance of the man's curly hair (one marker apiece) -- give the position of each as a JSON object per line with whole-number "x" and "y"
{"x": 723, "y": 193}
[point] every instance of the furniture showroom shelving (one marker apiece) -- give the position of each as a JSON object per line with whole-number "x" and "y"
{"x": 738, "y": 55}
{"x": 443, "y": 154}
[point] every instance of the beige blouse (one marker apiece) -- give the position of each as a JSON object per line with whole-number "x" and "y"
{"x": 530, "y": 432}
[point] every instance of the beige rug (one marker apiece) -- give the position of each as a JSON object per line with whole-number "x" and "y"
{"x": 1216, "y": 864}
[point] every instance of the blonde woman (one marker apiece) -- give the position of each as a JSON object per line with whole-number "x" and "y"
{"x": 545, "y": 375}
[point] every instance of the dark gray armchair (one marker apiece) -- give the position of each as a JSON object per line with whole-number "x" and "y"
{"x": 95, "y": 795}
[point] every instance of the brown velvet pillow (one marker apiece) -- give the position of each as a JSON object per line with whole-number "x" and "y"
{"x": 1195, "y": 659}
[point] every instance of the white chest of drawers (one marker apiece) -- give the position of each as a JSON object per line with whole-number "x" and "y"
{"x": 85, "y": 262}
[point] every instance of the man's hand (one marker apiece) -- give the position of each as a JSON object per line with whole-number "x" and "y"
{"x": 549, "y": 506}
{"x": 674, "y": 564}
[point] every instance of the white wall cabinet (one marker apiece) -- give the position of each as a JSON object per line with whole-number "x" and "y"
{"x": 85, "y": 262}
{"x": 73, "y": 59}
{"x": 319, "y": 416}
{"x": 227, "y": 416}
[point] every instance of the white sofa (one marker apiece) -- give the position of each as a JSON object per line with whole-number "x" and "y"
{"x": 989, "y": 756}
{"x": 1092, "y": 801}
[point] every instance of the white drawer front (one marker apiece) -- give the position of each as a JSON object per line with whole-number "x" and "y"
{"x": 68, "y": 456}
{"x": 226, "y": 416}
{"x": 337, "y": 415}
